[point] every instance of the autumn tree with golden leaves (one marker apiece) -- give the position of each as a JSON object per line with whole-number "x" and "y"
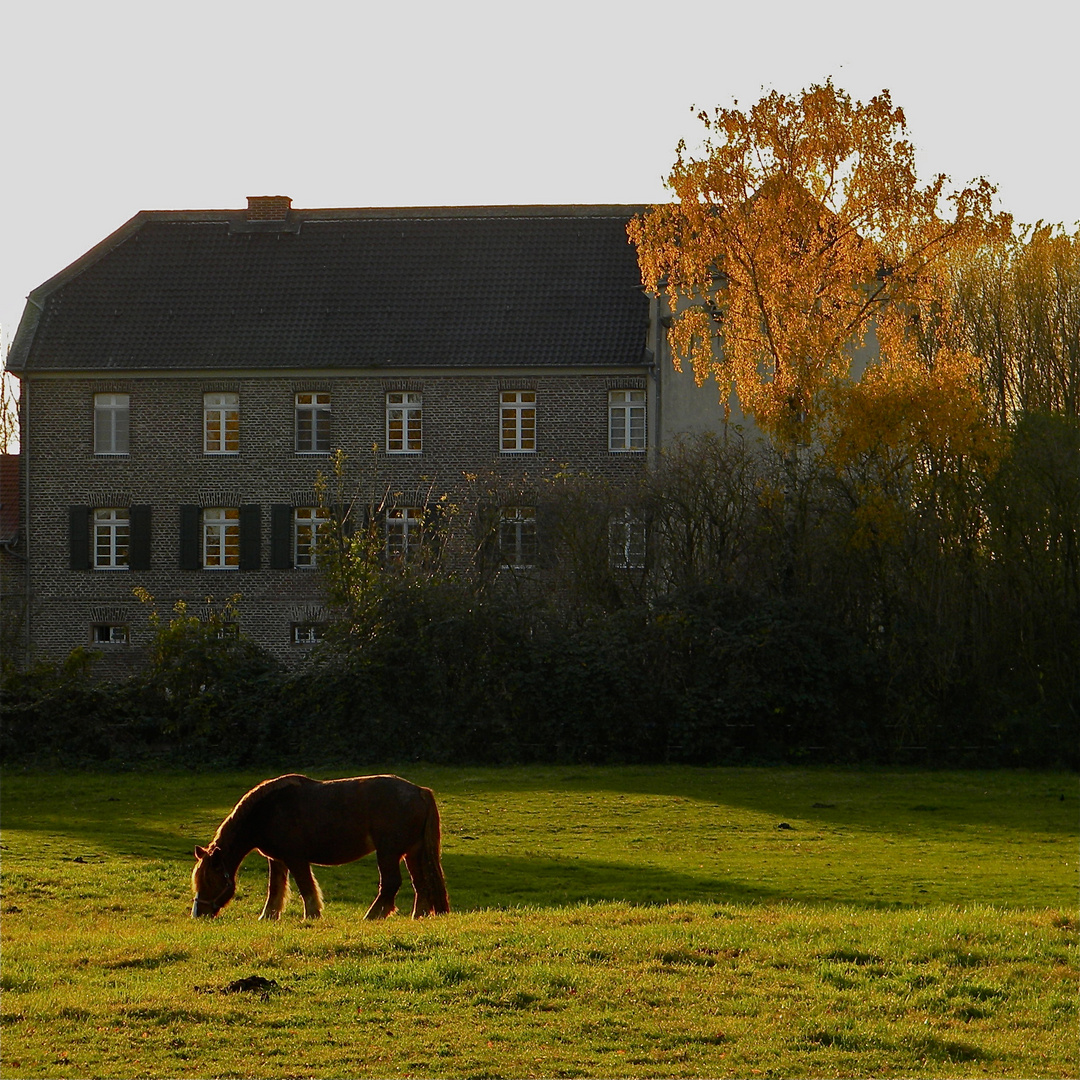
{"x": 800, "y": 230}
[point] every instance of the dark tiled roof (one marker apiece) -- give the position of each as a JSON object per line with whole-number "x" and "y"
{"x": 500, "y": 286}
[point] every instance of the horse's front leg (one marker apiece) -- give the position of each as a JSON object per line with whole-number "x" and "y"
{"x": 309, "y": 890}
{"x": 277, "y": 890}
{"x": 389, "y": 883}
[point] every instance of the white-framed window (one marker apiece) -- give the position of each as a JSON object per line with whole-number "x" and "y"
{"x": 112, "y": 536}
{"x": 221, "y": 423}
{"x": 404, "y": 422}
{"x": 517, "y": 535}
{"x": 221, "y": 538}
{"x": 108, "y": 634}
{"x": 626, "y": 420}
{"x": 111, "y": 423}
{"x": 313, "y": 423}
{"x": 307, "y": 633}
{"x": 517, "y": 421}
{"x": 626, "y": 541}
{"x": 403, "y": 525}
{"x": 309, "y": 524}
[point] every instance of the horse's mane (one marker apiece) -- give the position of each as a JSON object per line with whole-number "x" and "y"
{"x": 252, "y": 800}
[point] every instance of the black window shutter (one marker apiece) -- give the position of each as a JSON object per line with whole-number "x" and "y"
{"x": 281, "y": 537}
{"x": 79, "y": 537}
{"x": 139, "y": 544}
{"x": 251, "y": 537}
{"x": 190, "y": 540}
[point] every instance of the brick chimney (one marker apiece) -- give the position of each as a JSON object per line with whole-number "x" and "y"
{"x": 268, "y": 207}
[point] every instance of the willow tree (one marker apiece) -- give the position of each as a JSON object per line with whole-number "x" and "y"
{"x": 799, "y": 230}
{"x": 1017, "y": 303}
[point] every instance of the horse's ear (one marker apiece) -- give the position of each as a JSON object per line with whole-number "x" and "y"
{"x": 201, "y": 853}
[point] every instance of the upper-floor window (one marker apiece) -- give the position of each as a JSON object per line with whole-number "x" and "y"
{"x": 404, "y": 422}
{"x": 111, "y": 423}
{"x": 517, "y": 535}
{"x": 221, "y": 538}
{"x": 517, "y": 420}
{"x": 403, "y": 524}
{"x": 221, "y": 423}
{"x": 309, "y": 524}
{"x": 626, "y": 419}
{"x": 313, "y": 423}
{"x": 112, "y": 532}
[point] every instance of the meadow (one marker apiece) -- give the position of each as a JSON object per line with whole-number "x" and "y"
{"x": 663, "y": 921}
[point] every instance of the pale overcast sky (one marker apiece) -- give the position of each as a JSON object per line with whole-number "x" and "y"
{"x": 111, "y": 107}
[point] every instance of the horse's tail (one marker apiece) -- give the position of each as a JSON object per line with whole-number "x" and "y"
{"x": 437, "y": 900}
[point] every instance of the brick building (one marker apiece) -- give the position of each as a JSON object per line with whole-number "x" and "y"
{"x": 186, "y": 381}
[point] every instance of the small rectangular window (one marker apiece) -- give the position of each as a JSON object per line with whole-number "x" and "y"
{"x": 111, "y": 423}
{"x": 307, "y": 633}
{"x": 517, "y": 535}
{"x": 517, "y": 421}
{"x": 626, "y": 420}
{"x": 403, "y": 525}
{"x": 112, "y": 533}
{"x": 221, "y": 423}
{"x": 404, "y": 423}
{"x": 108, "y": 634}
{"x": 221, "y": 538}
{"x": 313, "y": 423}
{"x": 309, "y": 525}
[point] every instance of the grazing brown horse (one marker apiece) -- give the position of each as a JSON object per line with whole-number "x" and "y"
{"x": 295, "y": 821}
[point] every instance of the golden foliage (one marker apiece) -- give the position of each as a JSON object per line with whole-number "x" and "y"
{"x": 905, "y": 438}
{"x": 907, "y": 409}
{"x": 801, "y": 229}
{"x": 1017, "y": 306}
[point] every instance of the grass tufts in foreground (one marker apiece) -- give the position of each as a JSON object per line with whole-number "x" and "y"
{"x": 592, "y": 990}
{"x": 607, "y": 923}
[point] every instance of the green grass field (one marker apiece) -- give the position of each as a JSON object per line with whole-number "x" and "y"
{"x": 607, "y": 922}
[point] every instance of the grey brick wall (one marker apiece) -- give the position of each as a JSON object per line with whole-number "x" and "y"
{"x": 166, "y": 468}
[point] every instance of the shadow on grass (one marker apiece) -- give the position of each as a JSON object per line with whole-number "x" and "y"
{"x": 882, "y": 800}
{"x": 162, "y": 817}
{"x": 488, "y": 881}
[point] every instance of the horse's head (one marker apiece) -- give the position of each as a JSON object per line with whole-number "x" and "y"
{"x": 212, "y": 884}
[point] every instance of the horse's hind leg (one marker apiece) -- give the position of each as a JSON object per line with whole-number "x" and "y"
{"x": 389, "y": 883}
{"x": 277, "y": 890}
{"x": 309, "y": 890}
{"x": 423, "y": 905}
